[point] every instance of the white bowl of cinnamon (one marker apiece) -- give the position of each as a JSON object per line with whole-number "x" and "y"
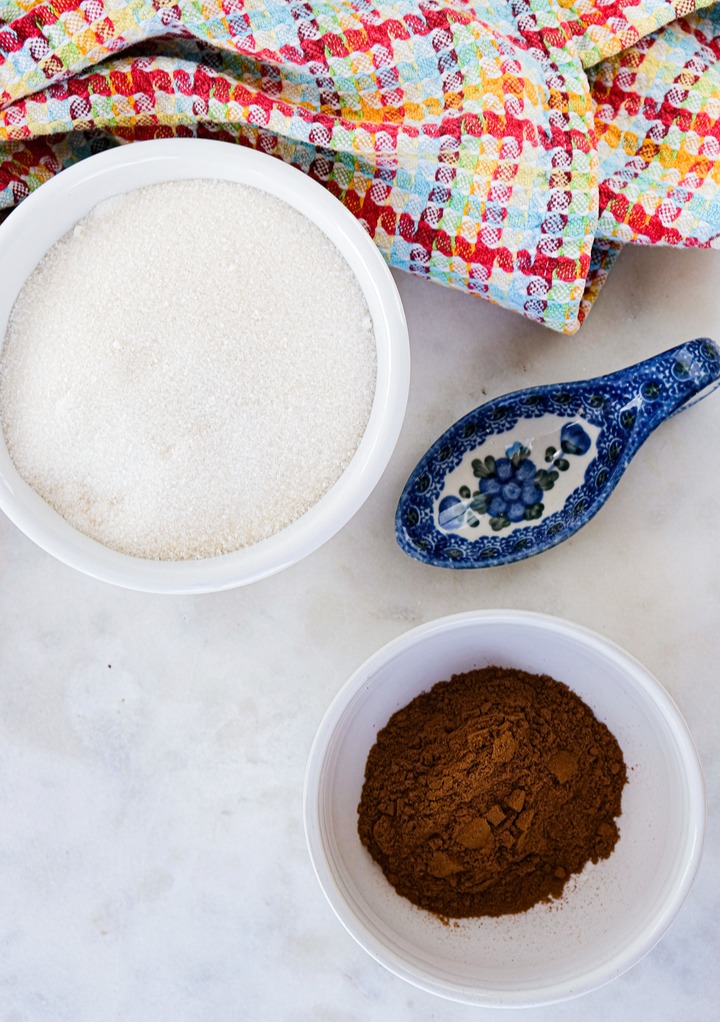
{"x": 504, "y": 808}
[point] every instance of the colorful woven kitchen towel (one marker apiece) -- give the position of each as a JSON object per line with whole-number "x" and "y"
{"x": 505, "y": 148}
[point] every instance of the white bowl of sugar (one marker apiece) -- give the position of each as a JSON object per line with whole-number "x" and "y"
{"x": 204, "y": 369}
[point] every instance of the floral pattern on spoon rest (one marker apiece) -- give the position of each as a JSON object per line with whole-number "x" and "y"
{"x": 525, "y": 471}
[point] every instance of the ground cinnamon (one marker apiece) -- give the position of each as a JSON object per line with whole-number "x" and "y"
{"x": 485, "y": 794}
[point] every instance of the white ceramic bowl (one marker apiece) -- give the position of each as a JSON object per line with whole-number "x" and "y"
{"x": 57, "y": 205}
{"x": 610, "y": 915}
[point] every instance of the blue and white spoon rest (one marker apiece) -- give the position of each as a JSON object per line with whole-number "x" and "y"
{"x": 525, "y": 471}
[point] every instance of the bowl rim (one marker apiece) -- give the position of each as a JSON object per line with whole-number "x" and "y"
{"x": 191, "y": 158}
{"x": 555, "y": 991}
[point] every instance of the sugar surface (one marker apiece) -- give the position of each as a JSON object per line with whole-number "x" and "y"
{"x": 187, "y": 371}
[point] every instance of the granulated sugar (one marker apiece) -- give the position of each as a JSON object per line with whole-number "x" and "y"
{"x": 187, "y": 371}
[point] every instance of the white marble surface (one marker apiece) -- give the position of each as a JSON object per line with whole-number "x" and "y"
{"x": 152, "y": 749}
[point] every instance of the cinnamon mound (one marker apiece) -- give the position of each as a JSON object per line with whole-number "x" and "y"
{"x": 485, "y": 794}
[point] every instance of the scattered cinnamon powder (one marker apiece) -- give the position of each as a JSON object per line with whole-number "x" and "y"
{"x": 485, "y": 794}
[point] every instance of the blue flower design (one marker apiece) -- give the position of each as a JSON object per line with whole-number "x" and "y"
{"x": 510, "y": 489}
{"x": 451, "y": 512}
{"x": 574, "y": 439}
